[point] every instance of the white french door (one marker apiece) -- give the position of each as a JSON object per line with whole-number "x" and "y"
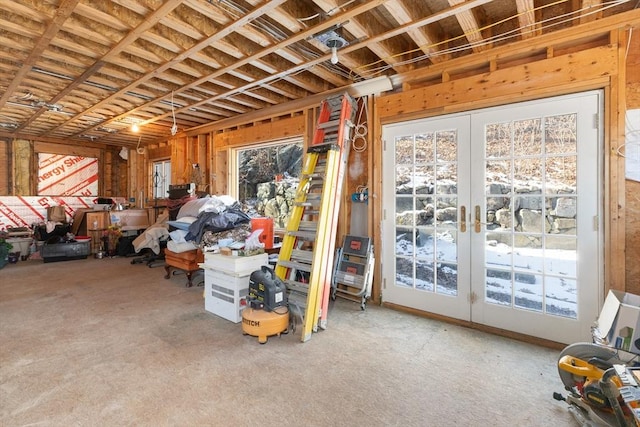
{"x": 492, "y": 216}
{"x": 425, "y": 248}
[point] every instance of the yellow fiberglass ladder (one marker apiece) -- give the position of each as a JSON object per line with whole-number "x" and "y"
{"x": 306, "y": 257}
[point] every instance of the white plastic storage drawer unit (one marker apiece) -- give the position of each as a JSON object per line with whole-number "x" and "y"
{"x": 226, "y": 283}
{"x": 225, "y": 294}
{"x": 236, "y": 265}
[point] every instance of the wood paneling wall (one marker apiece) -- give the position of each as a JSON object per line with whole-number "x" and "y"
{"x": 584, "y": 57}
{"x": 590, "y": 56}
{"x": 6, "y": 173}
{"x": 632, "y": 224}
{"x": 596, "y": 64}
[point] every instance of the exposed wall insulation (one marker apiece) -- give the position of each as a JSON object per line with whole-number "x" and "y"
{"x": 67, "y": 175}
{"x": 17, "y": 211}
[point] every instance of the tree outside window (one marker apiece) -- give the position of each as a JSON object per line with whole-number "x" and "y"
{"x": 268, "y": 177}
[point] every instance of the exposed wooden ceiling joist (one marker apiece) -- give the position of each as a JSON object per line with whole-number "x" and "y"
{"x": 77, "y": 69}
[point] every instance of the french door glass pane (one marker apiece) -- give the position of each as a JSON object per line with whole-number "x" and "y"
{"x": 561, "y": 173}
{"x": 404, "y": 272}
{"x": 560, "y": 134}
{"x": 426, "y": 211}
{"x": 527, "y": 137}
{"x": 530, "y": 205}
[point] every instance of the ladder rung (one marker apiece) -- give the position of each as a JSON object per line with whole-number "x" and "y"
{"x": 323, "y": 147}
{"x": 304, "y": 235}
{"x": 306, "y": 205}
{"x": 298, "y": 299}
{"x": 329, "y": 124}
{"x": 295, "y": 286}
{"x": 352, "y": 297}
{"x": 319, "y": 170}
{"x": 312, "y": 200}
{"x": 302, "y": 255}
{"x": 297, "y": 265}
{"x": 308, "y": 226}
{"x": 351, "y": 280}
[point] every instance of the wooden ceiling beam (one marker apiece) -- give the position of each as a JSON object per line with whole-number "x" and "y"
{"x": 361, "y": 32}
{"x": 470, "y": 27}
{"x": 224, "y": 70}
{"x": 195, "y": 48}
{"x": 64, "y": 10}
{"x": 425, "y": 43}
{"x": 522, "y": 47}
{"x": 590, "y": 10}
{"x": 293, "y": 39}
{"x": 341, "y": 17}
{"x": 527, "y": 19}
{"x": 290, "y": 54}
{"x": 133, "y": 35}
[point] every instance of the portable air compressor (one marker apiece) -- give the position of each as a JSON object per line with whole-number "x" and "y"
{"x": 266, "y": 290}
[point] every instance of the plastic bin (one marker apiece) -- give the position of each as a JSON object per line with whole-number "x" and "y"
{"x": 51, "y": 252}
{"x": 235, "y": 265}
{"x": 225, "y": 294}
{"x": 21, "y": 244}
{"x": 266, "y": 225}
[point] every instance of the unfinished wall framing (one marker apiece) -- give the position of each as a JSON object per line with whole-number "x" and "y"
{"x": 574, "y": 60}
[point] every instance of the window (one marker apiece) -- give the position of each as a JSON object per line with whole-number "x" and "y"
{"x": 267, "y": 177}
{"x": 161, "y": 179}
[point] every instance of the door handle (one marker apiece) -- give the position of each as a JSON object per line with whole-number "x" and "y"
{"x": 477, "y": 222}
{"x": 463, "y": 219}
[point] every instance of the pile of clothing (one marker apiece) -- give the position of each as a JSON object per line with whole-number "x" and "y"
{"x": 207, "y": 221}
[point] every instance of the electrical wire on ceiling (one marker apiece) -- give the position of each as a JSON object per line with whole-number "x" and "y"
{"x": 366, "y": 71}
{"x": 329, "y": 12}
{"x": 308, "y": 18}
{"x": 375, "y": 71}
{"x": 139, "y": 150}
{"x": 538, "y": 26}
{"x": 174, "y": 127}
{"x": 626, "y": 52}
{"x": 235, "y": 12}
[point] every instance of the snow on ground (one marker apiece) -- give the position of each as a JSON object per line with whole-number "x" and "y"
{"x": 539, "y": 282}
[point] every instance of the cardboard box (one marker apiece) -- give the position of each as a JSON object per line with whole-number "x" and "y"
{"x": 225, "y": 295}
{"x": 131, "y": 219}
{"x": 619, "y": 321}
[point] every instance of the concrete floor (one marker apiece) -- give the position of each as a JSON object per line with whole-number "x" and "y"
{"x": 106, "y": 343}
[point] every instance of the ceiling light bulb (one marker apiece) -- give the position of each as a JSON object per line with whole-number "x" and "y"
{"x": 334, "y": 55}
{"x": 135, "y": 127}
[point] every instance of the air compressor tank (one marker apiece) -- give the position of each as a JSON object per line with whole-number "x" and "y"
{"x": 266, "y": 290}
